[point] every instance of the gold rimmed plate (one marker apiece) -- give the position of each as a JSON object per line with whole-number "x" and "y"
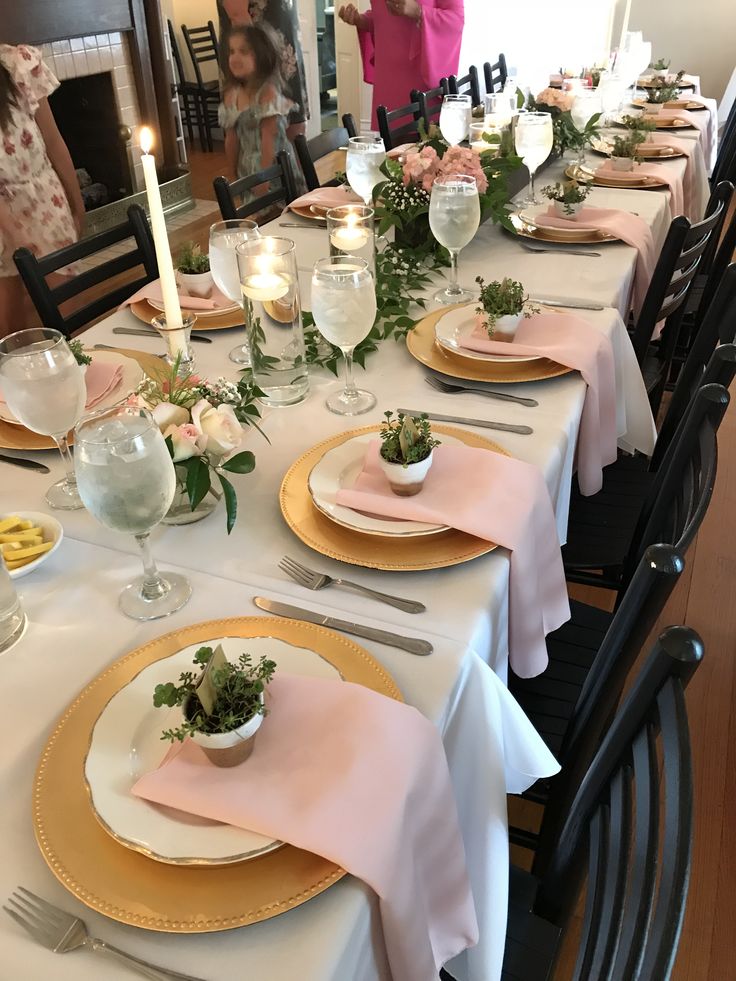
{"x": 131, "y": 888}
{"x": 212, "y": 320}
{"x": 630, "y": 179}
{"x": 689, "y": 104}
{"x": 325, "y": 536}
{"x": 647, "y": 151}
{"x": 422, "y": 345}
{"x": 526, "y": 226}
{"x": 654, "y": 83}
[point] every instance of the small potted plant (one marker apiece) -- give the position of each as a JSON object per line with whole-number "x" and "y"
{"x": 223, "y": 706}
{"x": 503, "y": 304}
{"x": 623, "y": 154}
{"x": 407, "y": 448}
{"x": 662, "y": 92}
{"x": 660, "y": 68}
{"x": 567, "y": 198}
{"x": 193, "y": 270}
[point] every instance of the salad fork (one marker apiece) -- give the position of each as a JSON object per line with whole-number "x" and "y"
{"x": 61, "y": 932}
{"x": 449, "y": 388}
{"x": 317, "y": 580}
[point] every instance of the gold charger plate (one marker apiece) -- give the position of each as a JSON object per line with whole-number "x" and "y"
{"x": 19, "y": 438}
{"x": 650, "y": 83}
{"x": 423, "y": 346}
{"x": 373, "y": 551}
{"x": 143, "y": 310}
{"x": 688, "y": 104}
{"x": 136, "y": 890}
{"x": 647, "y": 151}
{"x": 627, "y": 181}
{"x": 527, "y": 229}
{"x": 305, "y": 211}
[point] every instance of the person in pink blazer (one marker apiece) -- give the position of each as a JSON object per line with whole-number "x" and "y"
{"x": 406, "y": 44}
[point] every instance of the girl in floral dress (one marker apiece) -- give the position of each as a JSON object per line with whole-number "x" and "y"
{"x": 254, "y": 110}
{"x": 40, "y": 202}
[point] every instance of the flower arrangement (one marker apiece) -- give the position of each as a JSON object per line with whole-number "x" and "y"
{"x": 191, "y": 260}
{"x": 568, "y": 193}
{"x": 566, "y": 134}
{"x": 203, "y": 424}
{"x": 506, "y": 298}
{"x": 406, "y": 439}
{"x": 662, "y": 91}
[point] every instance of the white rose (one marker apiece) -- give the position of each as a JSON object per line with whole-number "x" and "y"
{"x": 166, "y": 414}
{"x": 221, "y": 427}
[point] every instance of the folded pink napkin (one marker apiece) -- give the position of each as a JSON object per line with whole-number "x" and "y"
{"x": 101, "y": 378}
{"x": 624, "y": 225}
{"x": 501, "y": 500}
{"x": 571, "y": 341}
{"x": 689, "y": 185}
{"x": 378, "y": 801}
{"x": 326, "y": 197}
{"x": 662, "y": 173}
{"x": 704, "y": 122}
{"x": 152, "y": 291}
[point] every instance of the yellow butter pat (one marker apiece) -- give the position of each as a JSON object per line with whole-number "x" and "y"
{"x": 32, "y": 551}
{"x": 8, "y": 524}
{"x": 32, "y": 537}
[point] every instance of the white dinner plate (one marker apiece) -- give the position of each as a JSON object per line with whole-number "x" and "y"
{"x": 455, "y": 326}
{"x": 199, "y": 313}
{"x": 126, "y": 743}
{"x": 133, "y": 375}
{"x": 338, "y": 469}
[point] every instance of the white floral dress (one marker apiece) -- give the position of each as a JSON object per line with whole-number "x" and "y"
{"x": 28, "y": 181}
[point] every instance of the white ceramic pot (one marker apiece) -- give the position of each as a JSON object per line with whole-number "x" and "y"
{"x": 661, "y": 72}
{"x": 622, "y": 163}
{"x": 569, "y": 211}
{"x": 406, "y": 481}
{"x": 196, "y": 284}
{"x": 506, "y": 327}
{"x": 653, "y": 108}
{"x": 230, "y": 748}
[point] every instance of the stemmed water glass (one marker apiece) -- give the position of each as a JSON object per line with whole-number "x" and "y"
{"x": 127, "y": 481}
{"x": 454, "y": 216}
{"x": 533, "y": 138}
{"x": 224, "y": 237}
{"x": 587, "y": 103}
{"x": 344, "y": 310}
{"x": 44, "y": 388}
{"x": 362, "y": 165}
{"x": 455, "y": 118}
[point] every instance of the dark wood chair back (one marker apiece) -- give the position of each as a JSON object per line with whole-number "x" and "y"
{"x": 718, "y": 255}
{"x": 400, "y": 125}
{"x": 309, "y": 151}
{"x": 227, "y": 193}
{"x": 467, "y": 85}
{"x": 202, "y": 46}
{"x": 632, "y": 818}
{"x": 47, "y": 300}
{"x": 348, "y": 121}
{"x": 430, "y": 102}
{"x": 725, "y": 165}
{"x": 187, "y": 92}
{"x": 495, "y": 75}
{"x": 179, "y": 76}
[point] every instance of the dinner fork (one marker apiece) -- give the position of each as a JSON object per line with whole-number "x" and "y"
{"x": 61, "y": 932}
{"x": 451, "y": 389}
{"x": 317, "y": 580}
{"x": 562, "y": 251}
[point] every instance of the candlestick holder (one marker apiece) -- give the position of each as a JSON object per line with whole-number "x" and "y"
{"x": 178, "y": 344}
{"x": 350, "y": 229}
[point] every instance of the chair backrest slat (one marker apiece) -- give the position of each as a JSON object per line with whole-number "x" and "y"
{"x": 407, "y": 131}
{"x": 348, "y": 121}
{"x": 495, "y": 75}
{"x": 180, "y": 77}
{"x": 281, "y": 171}
{"x": 202, "y": 46}
{"x": 467, "y": 85}
{"x": 309, "y": 151}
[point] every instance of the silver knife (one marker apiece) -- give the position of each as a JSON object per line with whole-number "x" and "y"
{"x": 410, "y": 644}
{"x": 26, "y": 464}
{"x": 313, "y": 223}
{"x": 571, "y": 304}
{"x": 505, "y": 427}
{"x": 144, "y": 332}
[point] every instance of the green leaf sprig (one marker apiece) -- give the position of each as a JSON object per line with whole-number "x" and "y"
{"x": 406, "y": 439}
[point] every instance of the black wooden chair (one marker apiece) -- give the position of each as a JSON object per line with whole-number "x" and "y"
{"x": 47, "y": 300}
{"x": 666, "y": 297}
{"x": 495, "y": 75}
{"x": 202, "y": 46}
{"x": 631, "y": 820}
{"x": 400, "y": 125}
{"x": 467, "y": 85}
{"x": 309, "y": 151}
{"x": 430, "y": 102}
{"x": 281, "y": 195}
{"x": 187, "y": 93}
{"x": 609, "y": 532}
{"x": 348, "y": 121}
{"x": 725, "y": 165}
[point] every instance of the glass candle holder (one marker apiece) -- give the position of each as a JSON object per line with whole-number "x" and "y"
{"x": 178, "y": 345}
{"x": 350, "y": 231}
{"x": 12, "y": 618}
{"x": 270, "y": 283}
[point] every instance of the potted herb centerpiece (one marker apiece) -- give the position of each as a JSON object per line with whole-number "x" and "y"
{"x": 662, "y": 92}
{"x": 567, "y": 198}
{"x": 502, "y": 308}
{"x": 623, "y": 154}
{"x": 223, "y": 706}
{"x": 407, "y": 446}
{"x": 193, "y": 270}
{"x": 660, "y": 68}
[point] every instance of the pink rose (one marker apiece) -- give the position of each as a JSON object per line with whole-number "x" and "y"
{"x": 187, "y": 441}
{"x": 220, "y": 425}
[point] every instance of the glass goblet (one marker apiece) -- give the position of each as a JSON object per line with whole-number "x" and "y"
{"x": 127, "y": 481}
{"x": 454, "y": 216}
{"x": 344, "y": 310}
{"x": 44, "y": 388}
{"x": 363, "y": 164}
{"x": 534, "y": 137}
{"x": 455, "y": 117}
{"x": 225, "y": 236}
{"x": 587, "y": 103}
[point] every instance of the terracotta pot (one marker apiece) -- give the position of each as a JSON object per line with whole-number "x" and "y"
{"x": 506, "y": 327}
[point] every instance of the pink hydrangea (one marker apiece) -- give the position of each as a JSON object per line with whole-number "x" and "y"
{"x": 556, "y": 98}
{"x": 464, "y": 160}
{"x": 423, "y": 166}
{"x": 420, "y": 167}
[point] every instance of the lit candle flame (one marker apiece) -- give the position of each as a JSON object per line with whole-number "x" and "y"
{"x": 146, "y": 139}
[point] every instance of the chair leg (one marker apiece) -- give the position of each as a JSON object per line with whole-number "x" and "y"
{"x": 188, "y": 117}
{"x": 200, "y": 123}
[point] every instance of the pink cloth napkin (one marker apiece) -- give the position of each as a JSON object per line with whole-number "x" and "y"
{"x": 571, "y": 341}
{"x": 152, "y": 291}
{"x": 624, "y": 225}
{"x": 702, "y": 121}
{"x": 101, "y": 378}
{"x": 377, "y": 800}
{"x": 662, "y": 173}
{"x": 499, "y": 499}
{"x": 326, "y": 197}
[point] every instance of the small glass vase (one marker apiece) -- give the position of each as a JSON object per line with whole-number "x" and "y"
{"x": 181, "y": 513}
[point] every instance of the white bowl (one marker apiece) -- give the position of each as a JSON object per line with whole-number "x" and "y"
{"x": 52, "y": 531}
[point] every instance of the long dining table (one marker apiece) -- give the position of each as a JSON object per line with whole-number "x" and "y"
{"x": 75, "y": 629}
